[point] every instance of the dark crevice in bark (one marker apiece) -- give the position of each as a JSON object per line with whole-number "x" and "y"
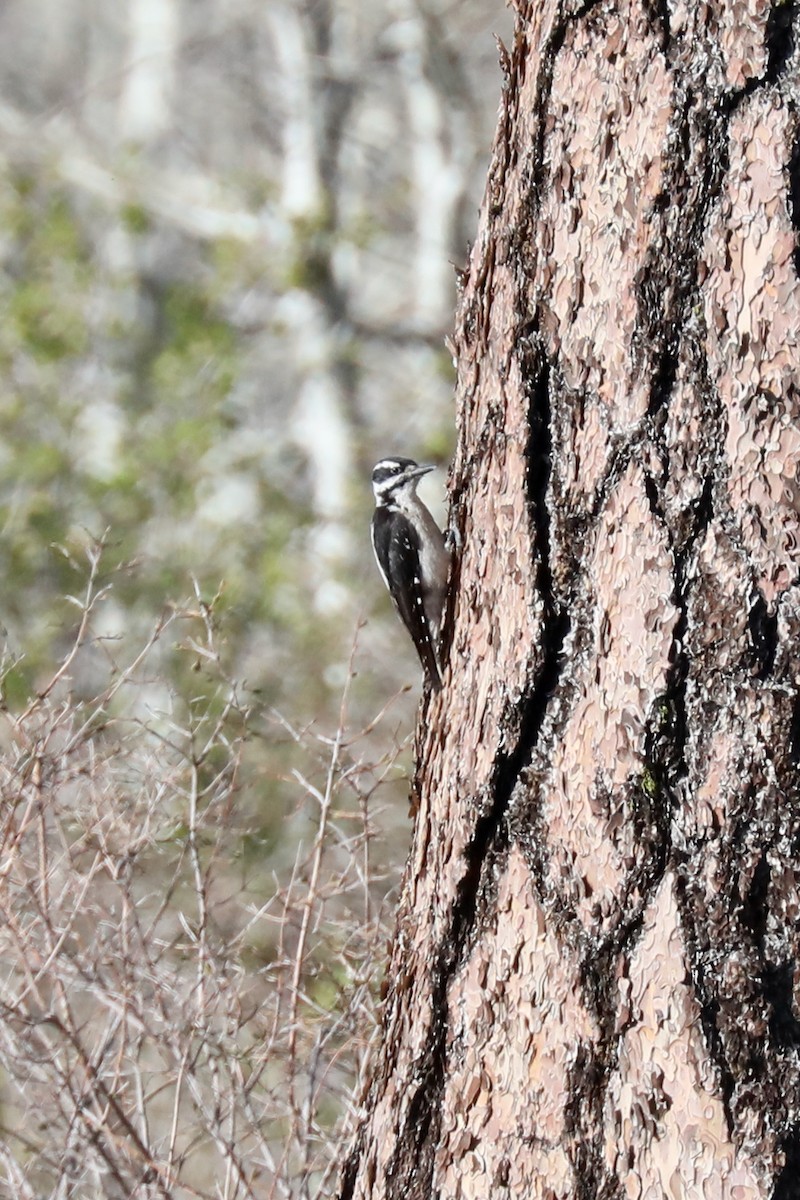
{"x": 779, "y": 39}
{"x": 653, "y": 495}
{"x": 410, "y": 1172}
{"x": 554, "y": 623}
{"x": 586, "y": 1088}
{"x": 623, "y": 448}
{"x": 756, "y": 903}
{"x": 704, "y": 989}
{"x": 757, "y": 1073}
{"x": 599, "y": 981}
{"x": 658, "y": 14}
{"x": 560, "y": 619}
{"x": 665, "y": 738}
{"x": 675, "y": 695}
{"x": 667, "y": 283}
{"x": 544, "y": 87}
{"x": 583, "y": 1118}
{"x": 786, "y": 1185}
{"x": 779, "y": 44}
{"x": 669, "y": 738}
{"x": 794, "y": 737}
{"x": 708, "y": 1004}
{"x": 668, "y": 729}
{"x": 347, "y": 1181}
{"x": 778, "y": 979}
{"x": 763, "y": 627}
{"x": 793, "y": 172}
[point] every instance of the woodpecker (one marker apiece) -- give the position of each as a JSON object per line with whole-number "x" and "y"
{"x": 412, "y": 556}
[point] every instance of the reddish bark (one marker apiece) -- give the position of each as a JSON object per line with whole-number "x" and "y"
{"x": 592, "y": 987}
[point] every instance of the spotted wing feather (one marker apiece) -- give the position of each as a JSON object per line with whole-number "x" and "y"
{"x": 397, "y": 550}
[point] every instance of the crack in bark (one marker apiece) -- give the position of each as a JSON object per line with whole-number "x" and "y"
{"x": 793, "y": 197}
{"x": 667, "y": 282}
{"x": 586, "y": 1087}
{"x": 779, "y": 38}
{"x": 786, "y": 1183}
{"x": 544, "y": 88}
{"x": 676, "y": 697}
{"x": 708, "y": 1004}
{"x": 410, "y": 1171}
{"x": 756, "y": 903}
{"x": 763, "y": 627}
{"x": 555, "y": 623}
{"x": 779, "y": 993}
{"x": 657, "y": 12}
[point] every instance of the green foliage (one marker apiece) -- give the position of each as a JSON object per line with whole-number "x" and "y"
{"x": 233, "y": 264}
{"x": 118, "y": 417}
{"x": 47, "y": 327}
{"x": 445, "y": 368}
{"x": 198, "y": 355}
{"x": 135, "y": 218}
{"x": 308, "y": 266}
{"x": 49, "y": 269}
{"x": 438, "y": 446}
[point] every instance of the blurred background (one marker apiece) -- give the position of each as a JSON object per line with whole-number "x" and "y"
{"x": 227, "y": 237}
{"x": 228, "y": 233}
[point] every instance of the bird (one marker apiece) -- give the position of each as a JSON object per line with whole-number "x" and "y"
{"x": 412, "y": 556}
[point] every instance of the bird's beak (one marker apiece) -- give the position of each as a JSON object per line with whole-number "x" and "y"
{"x": 418, "y": 472}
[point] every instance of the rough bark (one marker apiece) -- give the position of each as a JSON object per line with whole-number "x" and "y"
{"x": 592, "y": 989}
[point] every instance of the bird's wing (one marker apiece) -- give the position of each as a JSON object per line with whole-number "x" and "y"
{"x": 397, "y": 550}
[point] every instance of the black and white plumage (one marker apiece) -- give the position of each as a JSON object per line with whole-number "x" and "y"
{"x": 412, "y": 556}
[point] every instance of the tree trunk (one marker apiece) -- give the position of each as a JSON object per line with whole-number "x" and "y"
{"x": 592, "y": 988}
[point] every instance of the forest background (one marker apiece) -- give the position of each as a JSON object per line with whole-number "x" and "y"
{"x": 228, "y": 233}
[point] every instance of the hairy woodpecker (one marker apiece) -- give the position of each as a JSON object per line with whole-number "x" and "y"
{"x": 412, "y": 556}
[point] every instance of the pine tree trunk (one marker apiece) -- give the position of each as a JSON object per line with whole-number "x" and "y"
{"x": 593, "y": 989}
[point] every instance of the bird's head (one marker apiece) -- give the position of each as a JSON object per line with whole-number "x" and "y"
{"x": 396, "y": 478}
